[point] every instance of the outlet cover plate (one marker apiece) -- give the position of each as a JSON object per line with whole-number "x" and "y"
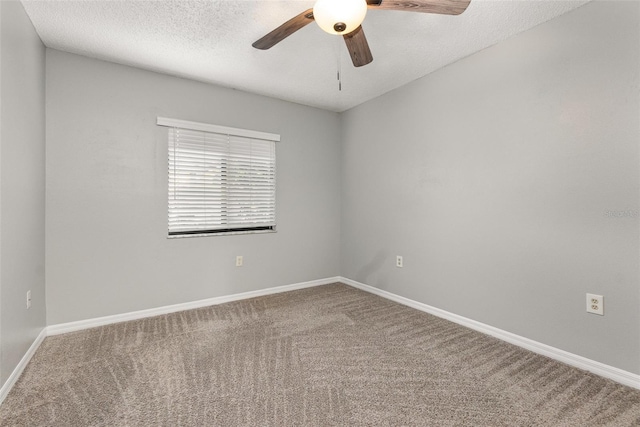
{"x": 595, "y": 304}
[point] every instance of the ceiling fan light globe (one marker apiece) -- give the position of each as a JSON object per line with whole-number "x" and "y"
{"x": 328, "y": 13}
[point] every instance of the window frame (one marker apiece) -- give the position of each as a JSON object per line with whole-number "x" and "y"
{"x": 229, "y": 132}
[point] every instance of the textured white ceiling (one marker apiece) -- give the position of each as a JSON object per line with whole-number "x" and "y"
{"x": 211, "y": 41}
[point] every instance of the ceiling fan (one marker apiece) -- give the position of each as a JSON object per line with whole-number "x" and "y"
{"x": 343, "y": 17}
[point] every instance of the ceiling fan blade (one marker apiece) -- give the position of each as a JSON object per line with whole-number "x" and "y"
{"x": 358, "y": 47}
{"x": 284, "y": 30}
{"x": 444, "y": 7}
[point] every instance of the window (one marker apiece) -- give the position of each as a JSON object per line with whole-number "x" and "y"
{"x": 221, "y": 180}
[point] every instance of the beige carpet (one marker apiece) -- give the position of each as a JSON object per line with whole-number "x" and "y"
{"x": 325, "y": 356}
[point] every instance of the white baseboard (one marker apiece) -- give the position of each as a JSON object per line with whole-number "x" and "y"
{"x": 615, "y": 374}
{"x": 63, "y": 328}
{"x": 623, "y": 377}
{"x": 8, "y": 385}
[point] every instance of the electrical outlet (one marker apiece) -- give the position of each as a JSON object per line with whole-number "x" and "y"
{"x": 239, "y": 261}
{"x": 28, "y": 299}
{"x": 399, "y": 261}
{"x": 595, "y": 304}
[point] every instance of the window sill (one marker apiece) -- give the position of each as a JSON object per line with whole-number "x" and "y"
{"x": 226, "y": 233}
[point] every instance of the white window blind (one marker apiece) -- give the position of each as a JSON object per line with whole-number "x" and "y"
{"x": 220, "y": 182}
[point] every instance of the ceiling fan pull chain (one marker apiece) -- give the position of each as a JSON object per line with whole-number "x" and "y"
{"x": 339, "y": 60}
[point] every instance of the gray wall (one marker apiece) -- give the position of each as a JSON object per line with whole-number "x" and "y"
{"x": 22, "y": 185}
{"x": 493, "y": 178}
{"x": 106, "y": 222}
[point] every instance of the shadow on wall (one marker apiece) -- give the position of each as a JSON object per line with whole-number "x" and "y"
{"x": 372, "y": 268}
